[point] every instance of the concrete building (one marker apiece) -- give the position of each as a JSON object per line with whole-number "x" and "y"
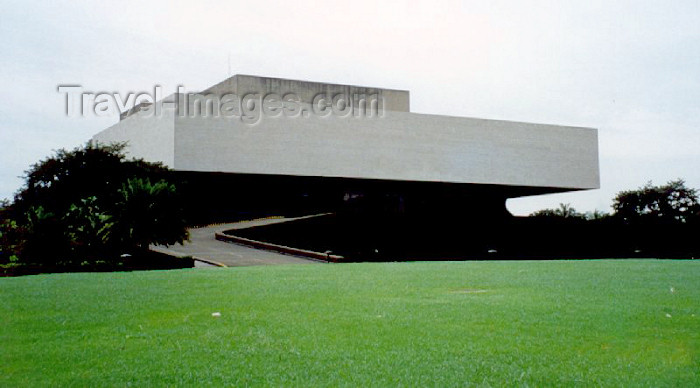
{"x": 274, "y": 139}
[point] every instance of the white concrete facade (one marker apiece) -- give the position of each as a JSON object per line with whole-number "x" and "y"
{"x": 397, "y": 145}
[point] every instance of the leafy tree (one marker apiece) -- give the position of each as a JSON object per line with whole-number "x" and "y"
{"x": 89, "y": 229}
{"x": 70, "y": 176}
{"x": 563, "y": 211}
{"x": 43, "y": 239}
{"x": 596, "y": 215}
{"x": 8, "y": 234}
{"x": 672, "y": 203}
{"x": 93, "y": 204}
{"x": 148, "y": 213}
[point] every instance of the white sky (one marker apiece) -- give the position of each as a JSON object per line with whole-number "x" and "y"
{"x": 629, "y": 68}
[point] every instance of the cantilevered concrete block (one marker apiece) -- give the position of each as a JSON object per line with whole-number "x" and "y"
{"x": 259, "y": 129}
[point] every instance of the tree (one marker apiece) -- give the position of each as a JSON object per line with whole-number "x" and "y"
{"x": 596, "y": 215}
{"x": 8, "y": 234}
{"x": 563, "y": 211}
{"x": 92, "y": 204}
{"x": 89, "y": 229}
{"x": 70, "y": 176}
{"x": 148, "y": 213}
{"x": 672, "y": 203}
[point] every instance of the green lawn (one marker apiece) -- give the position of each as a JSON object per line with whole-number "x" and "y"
{"x": 607, "y": 322}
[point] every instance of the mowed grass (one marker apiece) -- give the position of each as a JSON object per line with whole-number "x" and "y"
{"x": 549, "y": 323}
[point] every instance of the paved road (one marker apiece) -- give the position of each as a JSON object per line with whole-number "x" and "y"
{"x": 203, "y": 245}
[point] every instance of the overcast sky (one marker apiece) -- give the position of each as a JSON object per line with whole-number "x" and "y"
{"x": 629, "y": 68}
